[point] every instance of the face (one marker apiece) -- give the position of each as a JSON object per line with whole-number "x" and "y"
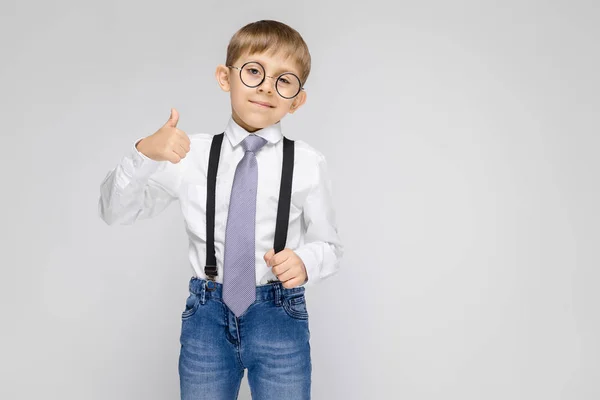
{"x": 245, "y": 109}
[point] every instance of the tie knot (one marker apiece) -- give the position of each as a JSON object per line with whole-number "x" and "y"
{"x": 253, "y": 143}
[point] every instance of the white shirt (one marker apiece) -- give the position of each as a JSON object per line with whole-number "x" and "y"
{"x": 139, "y": 188}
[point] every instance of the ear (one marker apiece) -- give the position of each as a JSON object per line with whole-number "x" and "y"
{"x": 222, "y": 75}
{"x": 298, "y": 101}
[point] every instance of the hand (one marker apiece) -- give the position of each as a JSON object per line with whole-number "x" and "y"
{"x": 287, "y": 267}
{"x": 166, "y": 144}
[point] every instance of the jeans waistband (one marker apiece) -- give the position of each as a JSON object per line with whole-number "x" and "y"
{"x": 272, "y": 291}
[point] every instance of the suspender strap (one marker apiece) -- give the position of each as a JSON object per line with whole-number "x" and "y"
{"x": 211, "y": 259}
{"x": 285, "y": 195}
{"x": 283, "y": 206}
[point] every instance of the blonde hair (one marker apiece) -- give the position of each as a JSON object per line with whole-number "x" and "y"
{"x": 271, "y": 37}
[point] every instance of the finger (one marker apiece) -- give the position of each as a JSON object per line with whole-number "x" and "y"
{"x": 184, "y": 149}
{"x": 184, "y": 137}
{"x": 179, "y": 151}
{"x": 286, "y": 275}
{"x": 174, "y": 157}
{"x": 292, "y": 283}
{"x": 173, "y": 119}
{"x": 279, "y": 258}
{"x": 183, "y": 144}
{"x": 187, "y": 145}
{"x": 281, "y": 268}
{"x": 268, "y": 255}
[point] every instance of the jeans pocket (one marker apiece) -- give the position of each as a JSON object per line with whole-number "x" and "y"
{"x": 191, "y": 305}
{"x": 295, "y": 306}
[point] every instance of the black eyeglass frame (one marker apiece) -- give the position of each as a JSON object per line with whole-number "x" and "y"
{"x": 267, "y": 76}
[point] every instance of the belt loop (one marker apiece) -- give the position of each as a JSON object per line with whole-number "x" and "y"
{"x": 203, "y": 293}
{"x": 277, "y": 290}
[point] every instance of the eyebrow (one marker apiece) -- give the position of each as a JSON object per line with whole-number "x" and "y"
{"x": 279, "y": 71}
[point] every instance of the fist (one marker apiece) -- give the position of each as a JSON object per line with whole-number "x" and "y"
{"x": 287, "y": 267}
{"x": 166, "y": 144}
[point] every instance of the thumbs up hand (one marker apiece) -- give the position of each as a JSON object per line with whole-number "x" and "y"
{"x": 166, "y": 144}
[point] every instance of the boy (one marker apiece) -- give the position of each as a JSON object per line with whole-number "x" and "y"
{"x": 259, "y": 217}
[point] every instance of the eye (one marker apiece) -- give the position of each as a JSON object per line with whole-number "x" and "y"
{"x": 285, "y": 81}
{"x": 253, "y": 70}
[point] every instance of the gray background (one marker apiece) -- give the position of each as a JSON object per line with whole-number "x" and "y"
{"x": 462, "y": 139}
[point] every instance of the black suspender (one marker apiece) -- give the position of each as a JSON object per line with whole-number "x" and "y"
{"x": 283, "y": 207}
{"x": 285, "y": 196}
{"x": 213, "y": 163}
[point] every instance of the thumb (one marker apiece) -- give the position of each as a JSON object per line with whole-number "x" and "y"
{"x": 173, "y": 119}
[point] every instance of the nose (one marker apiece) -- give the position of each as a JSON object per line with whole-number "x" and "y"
{"x": 268, "y": 85}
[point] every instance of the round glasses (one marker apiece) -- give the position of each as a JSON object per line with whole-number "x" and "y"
{"x": 252, "y": 74}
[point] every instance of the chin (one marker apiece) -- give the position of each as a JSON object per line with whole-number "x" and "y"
{"x": 257, "y": 122}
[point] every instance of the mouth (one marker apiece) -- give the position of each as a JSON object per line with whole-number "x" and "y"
{"x": 262, "y": 104}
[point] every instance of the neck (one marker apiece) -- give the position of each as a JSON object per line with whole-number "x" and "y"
{"x": 241, "y": 123}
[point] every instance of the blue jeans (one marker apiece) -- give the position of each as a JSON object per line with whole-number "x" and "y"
{"x": 271, "y": 340}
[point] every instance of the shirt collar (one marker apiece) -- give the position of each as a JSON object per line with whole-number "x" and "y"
{"x": 235, "y": 133}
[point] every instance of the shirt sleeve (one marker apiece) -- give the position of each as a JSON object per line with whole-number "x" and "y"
{"x": 322, "y": 249}
{"x": 137, "y": 188}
